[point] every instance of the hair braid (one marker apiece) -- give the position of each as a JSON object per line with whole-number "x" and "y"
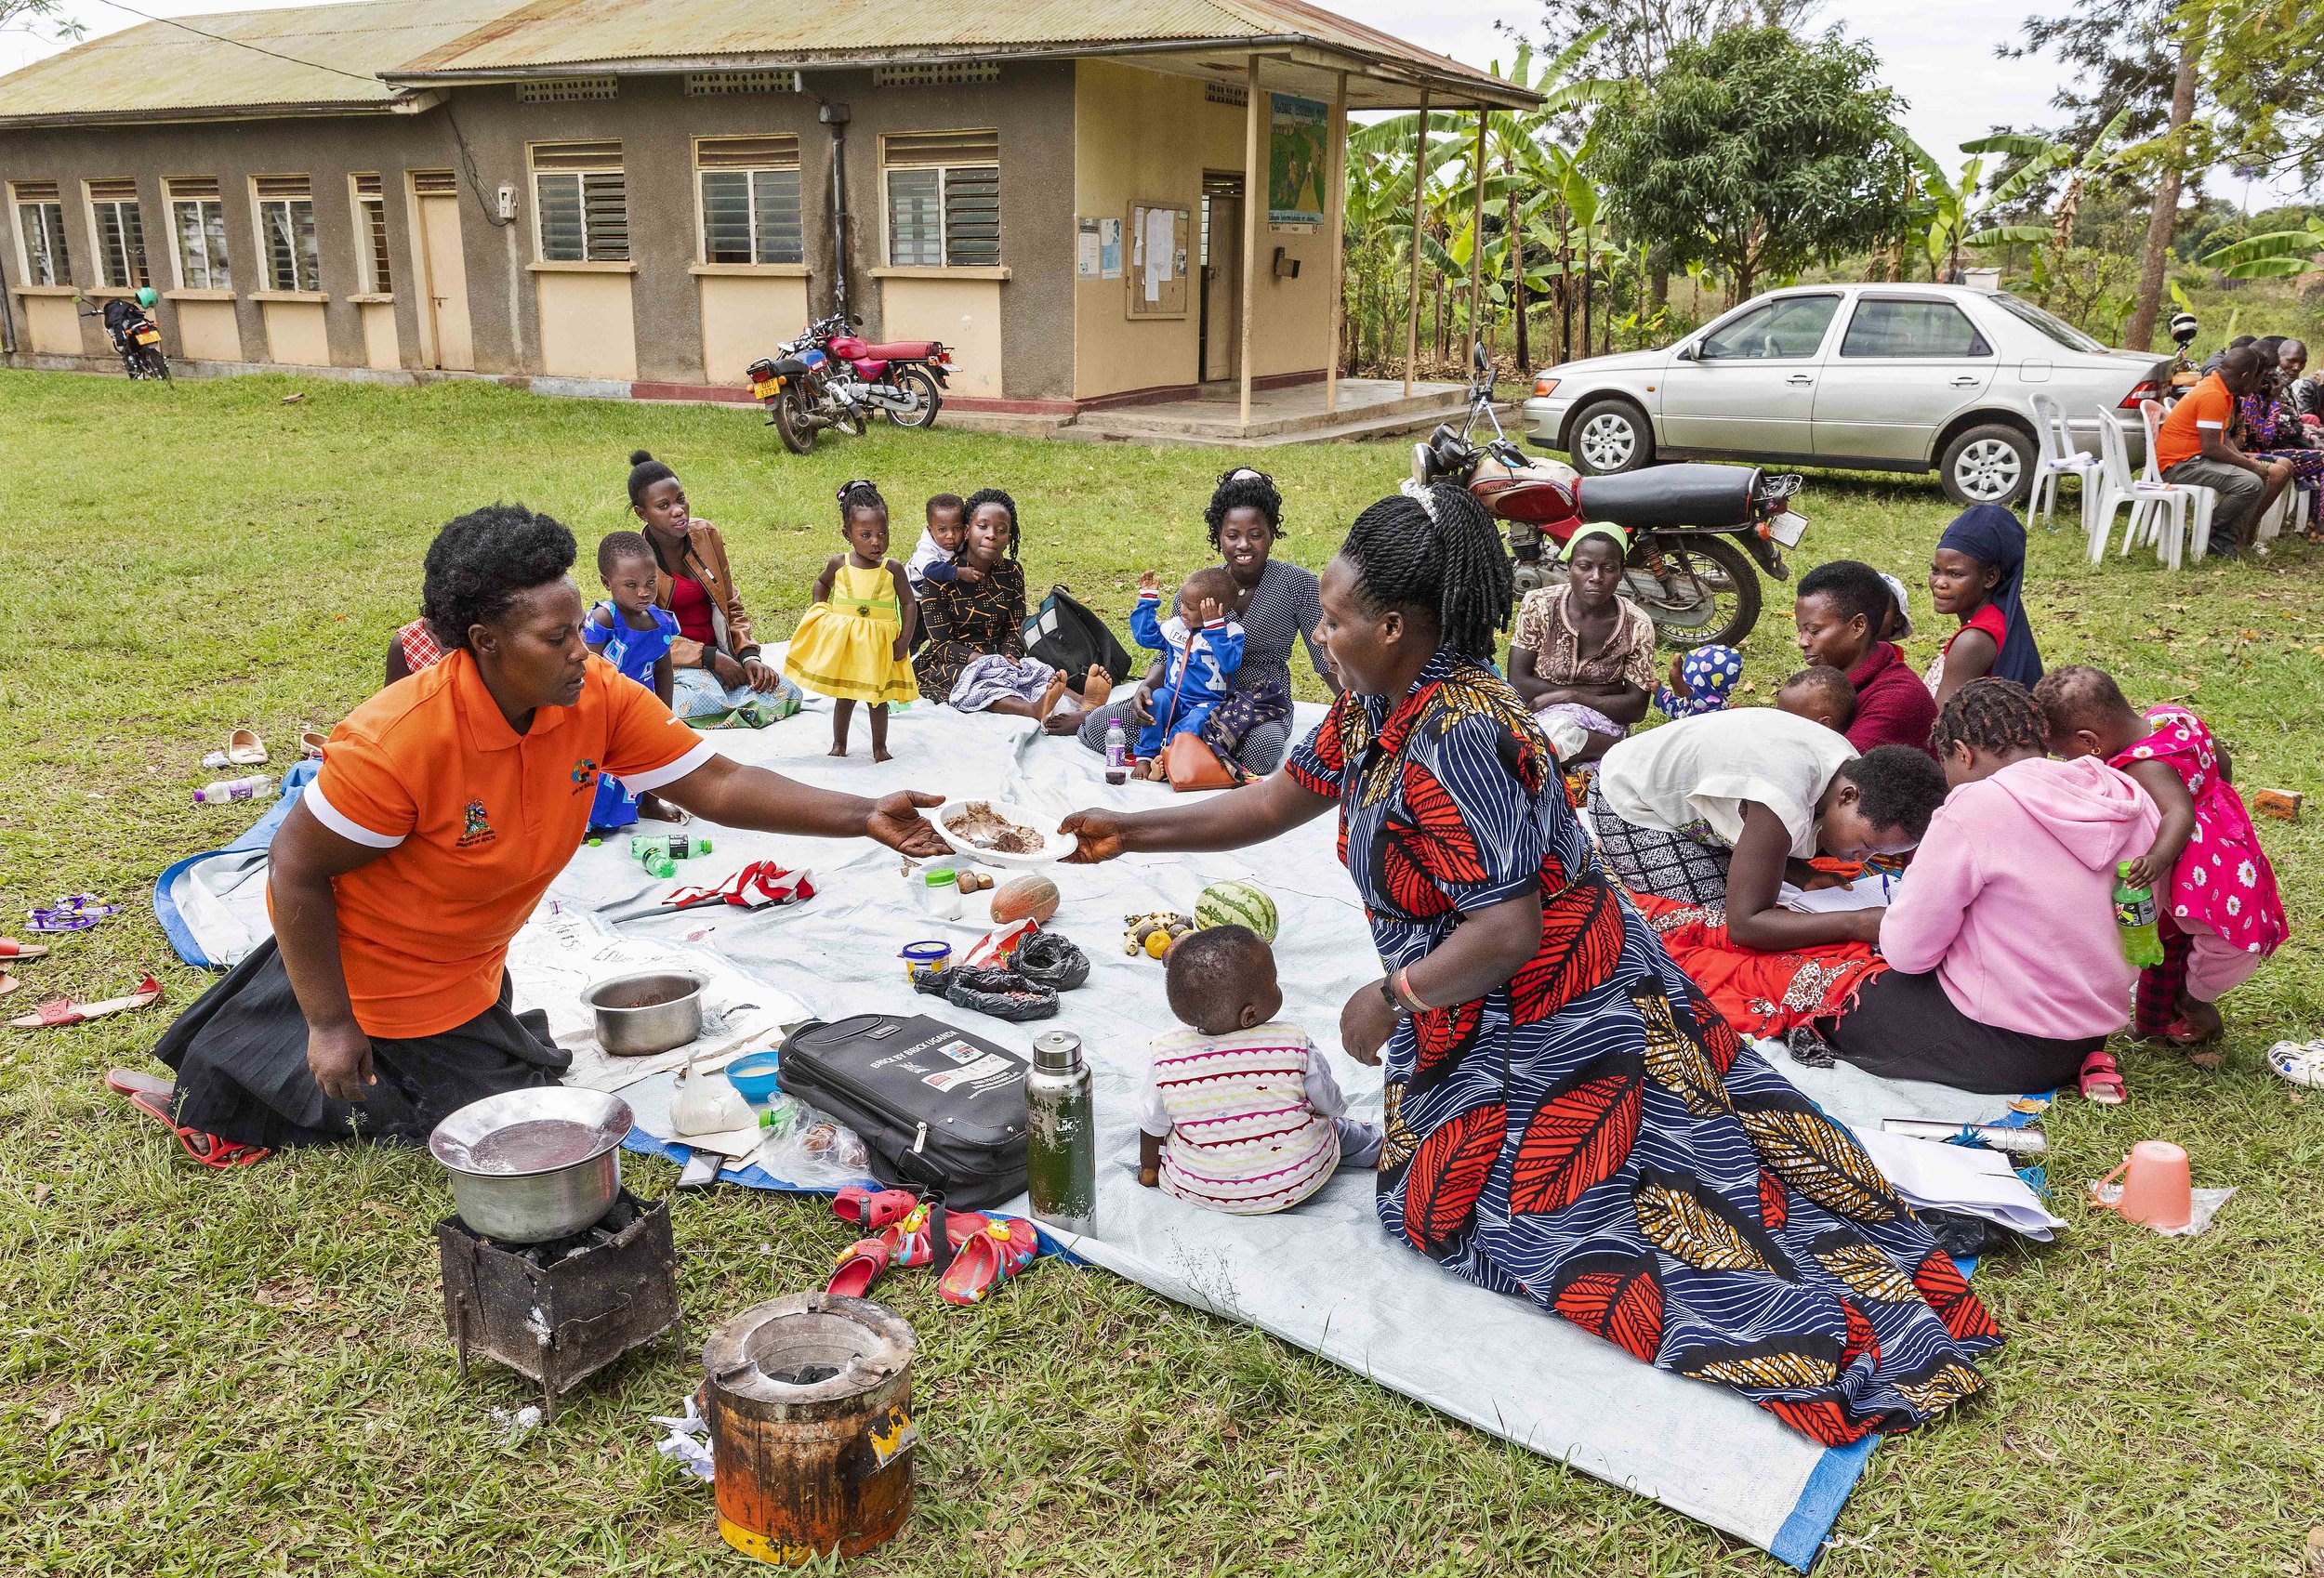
{"x": 1444, "y": 556}
{"x": 1991, "y": 715}
{"x": 977, "y": 501}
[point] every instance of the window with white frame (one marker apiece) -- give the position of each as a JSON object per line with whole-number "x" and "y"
{"x": 943, "y": 199}
{"x": 286, "y": 233}
{"x": 580, "y": 203}
{"x": 39, "y": 225}
{"x": 120, "y": 232}
{"x": 197, "y": 227}
{"x": 749, "y": 188}
{"x": 373, "y": 259}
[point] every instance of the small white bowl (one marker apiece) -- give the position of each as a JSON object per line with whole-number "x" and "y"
{"x": 1055, "y": 846}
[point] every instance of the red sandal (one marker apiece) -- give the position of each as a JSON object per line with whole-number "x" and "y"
{"x": 11, "y": 949}
{"x": 152, "y": 1095}
{"x": 873, "y": 1208}
{"x": 861, "y": 1264}
{"x": 987, "y": 1256}
{"x": 2101, "y": 1080}
{"x": 51, "y": 1012}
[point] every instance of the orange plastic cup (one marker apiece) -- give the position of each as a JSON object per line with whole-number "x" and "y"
{"x": 2156, "y": 1187}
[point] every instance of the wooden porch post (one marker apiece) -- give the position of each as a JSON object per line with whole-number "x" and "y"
{"x": 1254, "y": 205}
{"x": 1412, "y": 302}
{"x": 1335, "y": 231}
{"x": 1476, "y": 251}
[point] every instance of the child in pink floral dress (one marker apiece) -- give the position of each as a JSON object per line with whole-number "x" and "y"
{"x": 2220, "y": 914}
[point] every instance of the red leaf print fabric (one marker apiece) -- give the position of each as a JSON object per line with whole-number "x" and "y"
{"x": 1717, "y": 1038}
{"x": 1773, "y": 1208}
{"x": 1449, "y": 1173}
{"x": 1409, "y": 887}
{"x": 1820, "y": 1418}
{"x": 1446, "y": 849}
{"x": 1582, "y": 942}
{"x": 1579, "y": 1136}
{"x": 1863, "y": 1341}
{"x": 1616, "y": 1297}
{"x": 1947, "y": 1289}
{"x": 1440, "y": 1037}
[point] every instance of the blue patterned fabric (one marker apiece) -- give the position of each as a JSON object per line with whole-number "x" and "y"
{"x": 634, "y": 652}
{"x": 1709, "y": 671}
{"x": 1594, "y": 1136}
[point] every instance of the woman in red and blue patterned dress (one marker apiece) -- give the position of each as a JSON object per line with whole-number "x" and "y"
{"x": 1566, "y": 1118}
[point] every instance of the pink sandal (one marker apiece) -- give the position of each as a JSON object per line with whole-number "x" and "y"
{"x": 987, "y": 1256}
{"x": 152, "y": 1095}
{"x": 861, "y": 1264}
{"x": 873, "y": 1208}
{"x": 52, "y": 1012}
{"x": 2101, "y": 1080}
{"x": 11, "y": 949}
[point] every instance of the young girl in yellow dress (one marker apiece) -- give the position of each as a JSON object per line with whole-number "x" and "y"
{"x": 853, "y": 644}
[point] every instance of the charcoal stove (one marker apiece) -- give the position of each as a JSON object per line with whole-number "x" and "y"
{"x": 558, "y": 1312}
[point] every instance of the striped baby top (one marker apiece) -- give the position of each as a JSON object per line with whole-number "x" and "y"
{"x": 1248, "y": 1117}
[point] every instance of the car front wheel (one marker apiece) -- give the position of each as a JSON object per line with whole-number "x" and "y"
{"x": 1608, "y": 437}
{"x": 1993, "y": 463}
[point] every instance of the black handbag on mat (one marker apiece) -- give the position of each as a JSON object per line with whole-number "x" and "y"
{"x": 937, "y": 1107}
{"x": 1066, "y": 635}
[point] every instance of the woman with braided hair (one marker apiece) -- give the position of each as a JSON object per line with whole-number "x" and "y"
{"x": 1566, "y": 1119}
{"x": 2006, "y": 968}
{"x": 975, "y": 658}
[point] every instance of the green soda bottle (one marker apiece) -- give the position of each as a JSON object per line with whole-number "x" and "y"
{"x": 2134, "y": 912}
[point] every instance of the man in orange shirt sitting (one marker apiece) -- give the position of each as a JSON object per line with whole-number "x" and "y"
{"x": 2192, "y": 447}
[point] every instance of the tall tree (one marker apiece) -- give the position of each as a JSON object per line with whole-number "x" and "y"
{"x": 1635, "y": 37}
{"x": 1758, "y": 153}
{"x": 2266, "y": 66}
{"x": 38, "y": 16}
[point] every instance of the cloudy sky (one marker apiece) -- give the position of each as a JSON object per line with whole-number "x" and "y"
{"x": 1939, "y": 53}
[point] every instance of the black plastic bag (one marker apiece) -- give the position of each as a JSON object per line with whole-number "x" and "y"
{"x": 1051, "y": 959}
{"x": 1002, "y": 994}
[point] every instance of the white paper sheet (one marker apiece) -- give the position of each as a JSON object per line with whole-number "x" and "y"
{"x": 1969, "y": 1180}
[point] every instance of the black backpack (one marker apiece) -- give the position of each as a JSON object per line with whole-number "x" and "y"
{"x": 1065, "y": 635}
{"x": 938, "y": 1108}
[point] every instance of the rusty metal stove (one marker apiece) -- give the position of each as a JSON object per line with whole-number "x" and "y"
{"x": 558, "y": 1312}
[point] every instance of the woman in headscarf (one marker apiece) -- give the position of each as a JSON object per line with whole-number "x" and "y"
{"x": 1583, "y": 657}
{"x": 1977, "y": 575}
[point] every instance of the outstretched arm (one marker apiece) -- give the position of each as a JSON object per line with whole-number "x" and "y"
{"x": 724, "y": 791}
{"x": 1252, "y": 814}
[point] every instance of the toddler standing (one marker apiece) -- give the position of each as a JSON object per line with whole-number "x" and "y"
{"x": 1197, "y": 669}
{"x": 631, "y": 633}
{"x": 853, "y": 645}
{"x": 1239, "y": 1111}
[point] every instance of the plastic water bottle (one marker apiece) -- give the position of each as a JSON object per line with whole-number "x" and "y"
{"x": 257, "y": 786}
{"x": 1117, "y": 753}
{"x": 1061, "y": 1149}
{"x": 2134, "y": 912}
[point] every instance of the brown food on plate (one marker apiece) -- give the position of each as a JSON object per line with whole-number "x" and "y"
{"x": 987, "y": 829}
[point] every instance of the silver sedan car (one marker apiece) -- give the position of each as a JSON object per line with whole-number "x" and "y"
{"x": 1855, "y": 376}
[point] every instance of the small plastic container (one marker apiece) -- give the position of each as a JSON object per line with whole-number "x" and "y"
{"x": 754, "y": 1076}
{"x": 925, "y": 959}
{"x": 941, "y": 893}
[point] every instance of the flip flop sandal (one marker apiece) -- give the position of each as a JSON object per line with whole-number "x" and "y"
{"x": 1006, "y": 1246}
{"x": 2301, "y": 1063}
{"x": 207, "y": 1149}
{"x": 75, "y": 912}
{"x": 2101, "y": 1081}
{"x": 54, "y": 1012}
{"x": 11, "y": 949}
{"x": 873, "y": 1208}
{"x": 7, "y": 983}
{"x": 244, "y": 748}
{"x": 861, "y": 1265}
{"x": 310, "y": 744}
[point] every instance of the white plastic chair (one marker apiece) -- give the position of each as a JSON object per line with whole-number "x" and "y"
{"x": 2117, "y": 487}
{"x": 2151, "y": 485}
{"x": 2059, "y": 459}
{"x": 2150, "y": 502}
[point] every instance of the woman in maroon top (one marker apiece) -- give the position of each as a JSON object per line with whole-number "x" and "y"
{"x": 1838, "y": 617}
{"x": 715, "y": 666}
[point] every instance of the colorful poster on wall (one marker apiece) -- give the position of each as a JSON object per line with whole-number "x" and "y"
{"x": 1297, "y": 162}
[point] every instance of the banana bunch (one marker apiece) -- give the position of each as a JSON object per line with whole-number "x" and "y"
{"x": 1153, "y": 934}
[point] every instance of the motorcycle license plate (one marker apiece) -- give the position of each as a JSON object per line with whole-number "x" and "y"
{"x": 1788, "y": 528}
{"x": 767, "y": 390}
{"x": 149, "y": 337}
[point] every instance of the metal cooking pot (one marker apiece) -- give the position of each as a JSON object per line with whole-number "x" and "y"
{"x": 647, "y": 1012}
{"x": 528, "y": 1165}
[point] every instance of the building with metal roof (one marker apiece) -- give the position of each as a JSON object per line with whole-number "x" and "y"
{"x": 649, "y": 194}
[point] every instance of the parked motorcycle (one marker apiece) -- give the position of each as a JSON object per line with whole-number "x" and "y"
{"x": 829, "y": 378}
{"x": 137, "y": 338}
{"x": 1700, "y": 533}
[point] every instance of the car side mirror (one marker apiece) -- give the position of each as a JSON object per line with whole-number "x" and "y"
{"x": 1685, "y": 353}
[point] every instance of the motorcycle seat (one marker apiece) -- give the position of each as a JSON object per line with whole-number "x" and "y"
{"x": 898, "y": 350}
{"x": 1686, "y": 495}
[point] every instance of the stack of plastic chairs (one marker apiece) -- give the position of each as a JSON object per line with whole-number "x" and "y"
{"x": 2060, "y": 459}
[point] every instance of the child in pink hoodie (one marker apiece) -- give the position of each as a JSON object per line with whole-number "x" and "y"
{"x": 2006, "y": 970}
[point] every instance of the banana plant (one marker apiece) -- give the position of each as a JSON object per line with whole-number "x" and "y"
{"x": 1956, "y": 208}
{"x": 2274, "y": 255}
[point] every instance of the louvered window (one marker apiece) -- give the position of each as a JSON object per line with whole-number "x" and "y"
{"x": 113, "y": 206}
{"x": 582, "y": 203}
{"x": 40, "y": 221}
{"x": 749, "y": 199}
{"x": 943, "y": 199}
{"x": 371, "y": 235}
{"x": 286, "y": 233}
{"x": 197, "y": 222}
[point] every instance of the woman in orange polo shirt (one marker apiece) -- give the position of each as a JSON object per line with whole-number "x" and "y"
{"x": 446, "y": 805}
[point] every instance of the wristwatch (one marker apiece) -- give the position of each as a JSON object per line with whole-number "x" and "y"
{"x": 1388, "y": 991}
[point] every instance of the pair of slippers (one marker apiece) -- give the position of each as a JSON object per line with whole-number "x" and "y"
{"x": 244, "y": 748}
{"x": 153, "y": 1096}
{"x": 972, "y": 1253}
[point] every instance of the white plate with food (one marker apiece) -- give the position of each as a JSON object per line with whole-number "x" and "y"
{"x": 1001, "y": 833}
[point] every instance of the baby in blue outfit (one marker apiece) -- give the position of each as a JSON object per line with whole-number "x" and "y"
{"x": 1197, "y": 669}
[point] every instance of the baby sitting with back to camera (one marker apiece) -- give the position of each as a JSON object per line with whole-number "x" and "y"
{"x": 1239, "y": 1113}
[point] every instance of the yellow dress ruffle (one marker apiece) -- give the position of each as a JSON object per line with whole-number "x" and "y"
{"x": 845, "y": 647}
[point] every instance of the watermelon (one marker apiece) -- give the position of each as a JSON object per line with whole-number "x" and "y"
{"x": 1236, "y": 903}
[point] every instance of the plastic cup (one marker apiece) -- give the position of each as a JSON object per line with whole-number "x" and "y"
{"x": 2156, "y": 1187}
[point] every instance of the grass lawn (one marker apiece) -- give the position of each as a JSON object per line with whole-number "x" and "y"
{"x": 249, "y": 1374}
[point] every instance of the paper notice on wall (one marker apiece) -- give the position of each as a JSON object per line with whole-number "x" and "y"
{"x": 1110, "y": 249}
{"x": 1089, "y": 251}
{"x": 1161, "y": 241}
{"x": 1138, "y": 238}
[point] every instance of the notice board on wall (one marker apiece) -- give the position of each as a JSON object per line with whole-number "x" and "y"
{"x": 1156, "y": 238}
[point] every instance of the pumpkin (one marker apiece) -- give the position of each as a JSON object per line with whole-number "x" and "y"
{"x": 1024, "y": 897}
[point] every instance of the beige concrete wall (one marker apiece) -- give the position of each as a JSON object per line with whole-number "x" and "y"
{"x": 380, "y": 347}
{"x": 965, "y": 314}
{"x": 1139, "y": 137}
{"x": 297, "y": 334}
{"x": 206, "y": 329}
{"x": 746, "y": 311}
{"x": 588, "y": 324}
{"x": 52, "y": 325}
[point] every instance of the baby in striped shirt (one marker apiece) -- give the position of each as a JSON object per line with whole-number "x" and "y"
{"x": 1239, "y": 1111}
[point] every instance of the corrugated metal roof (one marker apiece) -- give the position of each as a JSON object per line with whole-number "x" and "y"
{"x": 159, "y": 70}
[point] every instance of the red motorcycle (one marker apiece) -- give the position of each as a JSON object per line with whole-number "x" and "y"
{"x": 829, "y": 378}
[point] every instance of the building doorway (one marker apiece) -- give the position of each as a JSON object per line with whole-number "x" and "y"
{"x": 443, "y": 270}
{"x": 1220, "y": 339}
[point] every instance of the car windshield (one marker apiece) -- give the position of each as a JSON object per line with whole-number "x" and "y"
{"x": 2057, "y": 329}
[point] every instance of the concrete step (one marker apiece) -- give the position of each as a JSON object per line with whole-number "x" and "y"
{"x": 1350, "y": 427}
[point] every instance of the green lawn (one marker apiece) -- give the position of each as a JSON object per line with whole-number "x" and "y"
{"x": 248, "y": 1374}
